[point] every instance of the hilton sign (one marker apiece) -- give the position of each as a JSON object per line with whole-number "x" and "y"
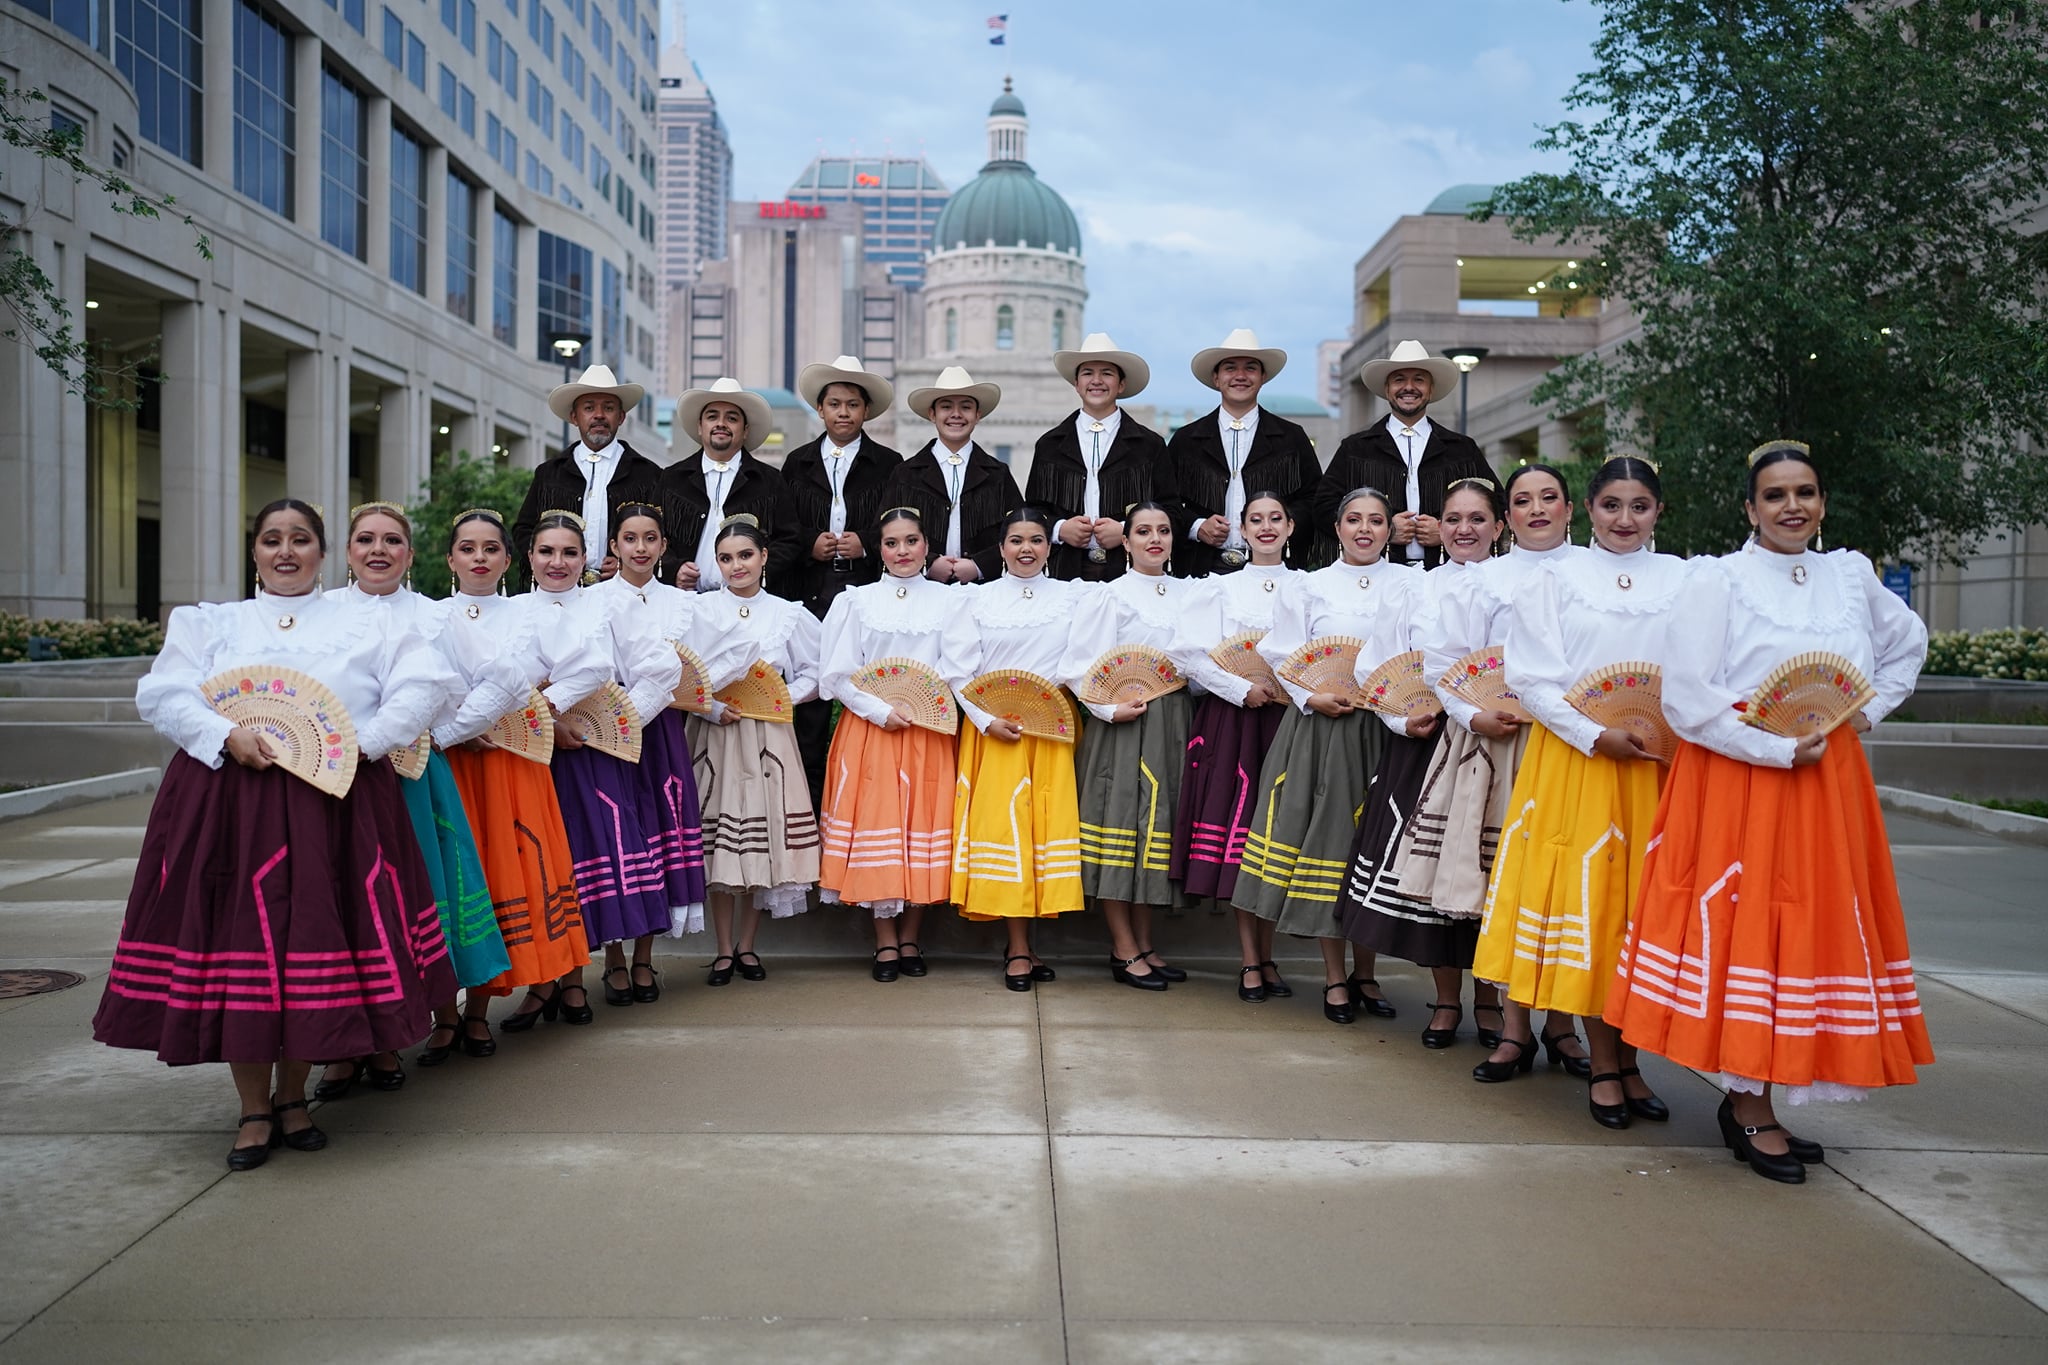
{"x": 789, "y": 210}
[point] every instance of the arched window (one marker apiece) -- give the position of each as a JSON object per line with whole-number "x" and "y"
{"x": 1006, "y": 328}
{"x": 1059, "y": 329}
{"x": 952, "y": 329}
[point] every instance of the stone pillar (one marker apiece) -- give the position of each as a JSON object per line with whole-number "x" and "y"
{"x": 316, "y": 442}
{"x": 200, "y": 455}
{"x": 486, "y": 255}
{"x": 437, "y": 226}
{"x": 217, "y": 80}
{"x": 43, "y": 461}
{"x": 113, "y": 473}
{"x": 468, "y": 432}
{"x": 377, "y": 238}
{"x": 522, "y": 452}
{"x": 402, "y": 416}
{"x": 1554, "y": 440}
{"x": 306, "y": 52}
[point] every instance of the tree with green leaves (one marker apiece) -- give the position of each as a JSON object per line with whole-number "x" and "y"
{"x": 41, "y": 317}
{"x": 457, "y": 484}
{"x": 1827, "y": 217}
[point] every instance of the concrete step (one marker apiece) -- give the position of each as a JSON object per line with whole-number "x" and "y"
{"x": 73, "y": 678}
{"x": 62, "y": 710}
{"x": 33, "y": 752}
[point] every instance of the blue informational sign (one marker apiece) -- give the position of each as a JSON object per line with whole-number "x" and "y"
{"x": 1899, "y": 578}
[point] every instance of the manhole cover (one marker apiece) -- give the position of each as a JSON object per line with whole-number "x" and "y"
{"x": 35, "y": 981}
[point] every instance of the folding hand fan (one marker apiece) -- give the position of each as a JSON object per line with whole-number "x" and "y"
{"x": 1240, "y": 655}
{"x": 1328, "y": 663}
{"x": 914, "y": 687}
{"x": 1809, "y": 694}
{"x": 1481, "y": 679}
{"x": 760, "y": 694}
{"x": 693, "y": 693}
{"x": 1131, "y": 673}
{"x": 1035, "y": 703}
{"x": 1629, "y": 696}
{"x": 410, "y": 760}
{"x": 528, "y": 731}
{"x": 1396, "y": 687}
{"x": 307, "y": 725}
{"x": 607, "y": 722}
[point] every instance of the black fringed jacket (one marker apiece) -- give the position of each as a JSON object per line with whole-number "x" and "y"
{"x": 559, "y": 484}
{"x": 756, "y": 488}
{"x": 987, "y": 494}
{"x": 1059, "y": 484}
{"x": 1194, "y": 475}
{"x": 1372, "y": 459}
{"x": 816, "y": 583}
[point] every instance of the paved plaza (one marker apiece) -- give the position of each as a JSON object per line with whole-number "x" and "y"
{"x": 824, "y": 1169}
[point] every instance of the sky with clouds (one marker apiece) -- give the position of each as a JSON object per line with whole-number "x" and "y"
{"x": 1229, "y": 161}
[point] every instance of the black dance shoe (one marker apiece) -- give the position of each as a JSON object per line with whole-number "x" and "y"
{"x": 1151, "y": 956}
{"x": 1377, "y": 1006}
{"x": 387, "y": 1081}
{"x": 1041, "y": 972}
{"x": 645, "y": 993}
{"x": 1256, "y": 992}
{"x": 1613, "y": 1116}
{"x": 1341, "y": 1012}
{"x": 1017, "y": 981}
{"x": 1782, "y": 1167}
{"x": 1523, "y": 1061}
{"x": 1277, "y": 987}
{"x": 325, "y": 1091}
{"x": 883, "y": 971}
{"x": 1649, "y": 1107}
{"x": 522, "y": 1020}
{"x": 473, "y": 1046}
{"x": 434, "y": 1054}
{"x": 618, "y": 995}
{"x": 1120, "y": 970}
{"x": 1553, "y": 1048}
{"x": 1808, "y": 1152}
{"x": 751, "y": 971}
{"x": 1443, "y": 1037}
{"x": 911, "y": 964}
{"x": 1489, "y": 1038}
{"x": 307, "y": 1139}
{"x": 249, "y": 1158}
{"x": 721, "y": 976}
{"x": 576, "y": 1014}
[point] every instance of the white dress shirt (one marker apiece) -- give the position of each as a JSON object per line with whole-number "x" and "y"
{"x": 953, "y": 469}
{"x": 1237, "y": 433}
{"x": 597, "y": 468}
{"x": 717, "y": 483}
{"x": 1411, "y": 441}
{"x": 1469, "y": 607}
{"x": 838, "y": 459}
{"x": 1374, "y": 602}
{"x": 1096, "y": 436}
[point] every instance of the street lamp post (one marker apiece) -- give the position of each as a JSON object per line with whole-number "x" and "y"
{"x": 568, "y": 345}
{"x": 1467, "y": 359}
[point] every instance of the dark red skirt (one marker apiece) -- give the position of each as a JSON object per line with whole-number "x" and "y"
{"x": 1217, "y": 792}
{"x": 269, "y": 921}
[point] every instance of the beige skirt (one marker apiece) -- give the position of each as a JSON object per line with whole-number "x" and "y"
{"x": 760, "y": 834}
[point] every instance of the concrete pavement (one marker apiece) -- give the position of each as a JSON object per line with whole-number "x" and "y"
{"x": 818, "y": 1167}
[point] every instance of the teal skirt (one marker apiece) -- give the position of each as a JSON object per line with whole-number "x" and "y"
{"x": 439, "y": 822}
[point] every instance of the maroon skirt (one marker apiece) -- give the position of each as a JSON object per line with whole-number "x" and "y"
{"x": 269, "y": 920}
{"x": 1217, "y": 792}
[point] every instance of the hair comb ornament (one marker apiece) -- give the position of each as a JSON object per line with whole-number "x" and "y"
{"x": 565, "y": 514}
{"x": 1772, "y": 447}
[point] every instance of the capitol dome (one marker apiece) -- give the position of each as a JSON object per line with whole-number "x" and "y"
{"x": 1007, "y": 204}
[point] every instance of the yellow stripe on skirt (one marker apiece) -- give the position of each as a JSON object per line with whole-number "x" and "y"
{"x": 1564, "y": 883}
{"x": 1017, "y": 828}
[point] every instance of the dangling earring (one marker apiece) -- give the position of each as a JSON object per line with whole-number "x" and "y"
{"x": 1819, "y": 544}
{"x": 1285, "y": 551}
{"x": 406, "y": 583}
{"x": 501, "y": 583}
{"x": 351, "y": 576}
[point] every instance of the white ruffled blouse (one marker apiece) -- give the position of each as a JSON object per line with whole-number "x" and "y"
{"x": 1232, "y": 603}
{"x": 1022, "y": 623}
{"x": 1142, "y": 609}
{"x": 912, "y": 618}
{"x": 1468, "y": 607}
{"x": 736, "y": 631}
{"x": 1375, "y": 602}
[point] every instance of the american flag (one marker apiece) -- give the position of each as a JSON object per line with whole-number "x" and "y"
{"x": 998, "y": 22}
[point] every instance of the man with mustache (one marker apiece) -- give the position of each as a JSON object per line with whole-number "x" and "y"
{"x": 1095, "y": 463}
{"x": 598, "y": 474}
{"x": 1405, "y": 455}
{"x": 960, "y": 490}
{"x": 721, "y": 479}
{"x": 1213, "y": 462}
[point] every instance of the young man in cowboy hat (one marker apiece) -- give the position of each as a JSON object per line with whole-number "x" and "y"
{"x": 1214, "y": 462}
{"x": 836, "y": 482}
{"x": 1405, "y": 455}
{"x": 835, "y": 488}
{"x": 722, "y": 479}
{"x": 596, "y": 475}
{"x": 1095, "y": 463}
{"x": 960, "y": 490}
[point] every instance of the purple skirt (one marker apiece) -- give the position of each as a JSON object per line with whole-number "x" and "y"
{"x": 615, "y": 826}
{"x": 269, "y": 920}
{"x": 1218, "y": 791}
{"x": 669, "y": 776}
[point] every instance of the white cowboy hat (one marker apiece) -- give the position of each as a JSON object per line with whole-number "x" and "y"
{"x": 1411, "y": 355}
{"x": 1240, "y": 342}
{"x": 953, "y": 379}
{"x": 811, "y": 383}
{"x": 691, "y": 406}
{"x": 597, "y": 379}
{"x": 1098, "y": 346}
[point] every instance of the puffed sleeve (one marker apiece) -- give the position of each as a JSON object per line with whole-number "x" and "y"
{"x": 578, "y": 646}
{"x": 1289, "y": 633}
{"x": 1204, "y": 630}
{"x": 497, "y": 682}
{"x": 801, "y": 651}
{"x": 1452, "y": 615}
{"x": 1537, "y": 670}
{"x": 1898, "y": 639}
{"x": 977, "y": 717}
{"x": 413, "y": 679}
{"x": 1393, "y": 631}
{"x": 959, "y": 660}
{"x": 649, "y": 667}
{"x": 1697, "y": 702}
{"x": 1097, "y": 618}
{"x": 840, "y": 657}
{"x": 168, "y": 696}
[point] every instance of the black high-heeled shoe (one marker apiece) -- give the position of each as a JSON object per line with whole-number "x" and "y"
{"x": 1256, "y": 992}
{"x": 1523, "y": 1061}
{"x": 1613, "y": 1116}
{"x": 326, "y": 1091}
{"x": 1553, "y": 1048}
{"x": 1120, "y": 970}
{"x": 473, "y": 1046}
{"x": 1041, "y": 972}
{"x": 382, "y": 1079}
{"x": 617, "y": 995}
{"x": 1808, "y": 1152}
{"x": 431, "y": 1055}
{"x": 249, "y": 1158}
{"x": 881, "y": 971}
{"x": 1379, "y": 1007}
{"x": 575, "y": 1014}
{"x": 307, "y": 1139}
{"x": 1782, "y": 1167}
{"x": 1489, "y": 1038}
{"x": 910, "y": 964}
{"x": 751, "y": 971}
{"x": 650, "y": 992}
{"x": 1649, "y": 1107}
{"x": 722, "y": 976}
{"x": 1443, "y": 1037}
{"x": 1151, "y": 956}
{"x": 522, "y": 1020}
{"x": 1017, "y": 981}
{"x": 1277, "y": 987}
{"x": 1341, "y": 1013}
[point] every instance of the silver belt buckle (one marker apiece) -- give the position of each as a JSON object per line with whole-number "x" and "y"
{"x": 1233, "y": 559}
{"x": 1098, "y": 555}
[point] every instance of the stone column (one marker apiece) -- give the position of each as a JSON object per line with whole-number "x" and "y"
{"x": 201, "y": 455}
{"x": 401, "y": 443}
{"x": 316, "y": 442}
{"x": 486, "y": 255}
{"x": 468, "y": 432}
{"x": 1554, "y": 440}
{"x": 306, "y": 51}
{"x": 437, "y": 226}
{"x": 43, "y": 537}
{"x": 217, "y": 81}
{"x": 377, "y": 239}
{"x": 522, "y": 452}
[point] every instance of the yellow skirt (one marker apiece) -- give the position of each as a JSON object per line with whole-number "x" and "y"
{"x": 1564, "y": 882}
{"x": 1017, "y": 828}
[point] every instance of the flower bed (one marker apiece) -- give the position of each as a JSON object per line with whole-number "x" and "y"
{"x": 2018, "y": 653}
{"x": 79, "y": 639}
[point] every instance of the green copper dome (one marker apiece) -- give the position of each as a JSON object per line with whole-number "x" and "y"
{"x": 1460, "y": 200}
{"x": 1007, "y": 204}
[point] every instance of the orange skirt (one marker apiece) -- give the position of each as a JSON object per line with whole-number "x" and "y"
{"x": 888, "y": 817}
{"x": 518, "y": 826}
{"x": 1768, "y": 945}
